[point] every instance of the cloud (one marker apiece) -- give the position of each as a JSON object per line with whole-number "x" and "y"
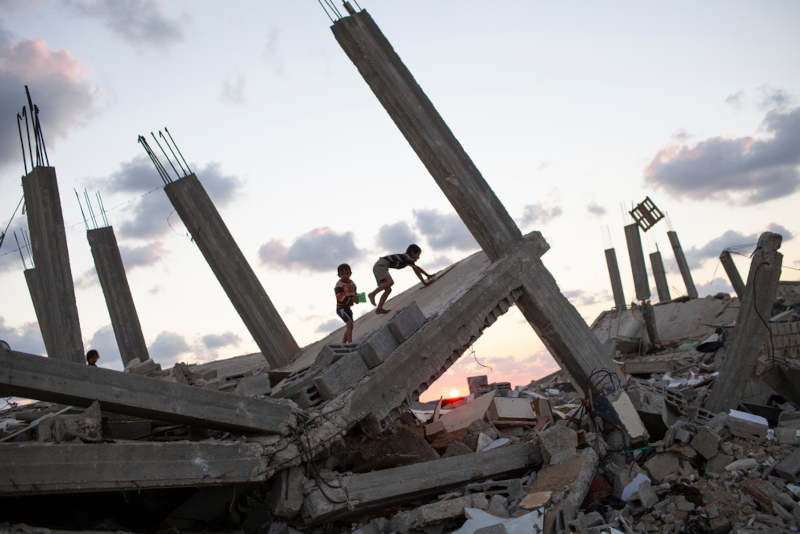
{"x": 731, "y": 239}
{"x": 540, "y": 212}
{"x": 395, "y": 237}
{"x": 147, "y": 218}
{"x": 87, "y": 279}
{"x": 216, "y": 341}
{"x": 167, "y": 347}
{"x": 773, "y": 97}
{"x": 144, "y": 256}
{"x": 444, "y": 230}
{"x": 26, "y": 338}
{"x": 579, "y": 297}
{"x": 66, "y": 100}
{"x": 270, "y": 53}
{"x": 105, "y": 343}
{"x": 139, "y": 23}
{"x": 233, "y": 88}
{"x": 320, "y": 250}
{"x": 595, "y": 209}
{"x": 740, "y": 170}
{"x": 329, "y": 326}
{"x": 735, "y": 100}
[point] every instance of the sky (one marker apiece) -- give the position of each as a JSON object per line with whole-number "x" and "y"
{"x": 573, "y": 112}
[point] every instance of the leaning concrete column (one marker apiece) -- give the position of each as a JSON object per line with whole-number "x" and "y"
{"x": 554, "y": 319}
{"x": 114, "y": 281}
{"x": 742, "y": 352}
{"x": 636, "y": 254}
{"x": 50, "y": 253}
{"x": 733, "y": 273}
{"x": 682, "y": 265}
{"x": 232, "y": 270}
{"x": 661, "y": 276}
{"x": 40, "y": 307}
{"x": 616, "y": 281}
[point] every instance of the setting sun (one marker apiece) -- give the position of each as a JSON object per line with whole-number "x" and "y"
{"x": 453, "y": 393}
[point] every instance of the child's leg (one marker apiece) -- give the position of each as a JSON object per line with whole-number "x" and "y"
{"x": 388, "y": 283}
{"x": 381, "y": 272}
{"x": 348, "y": 333}
{"x": 384, "y": 285}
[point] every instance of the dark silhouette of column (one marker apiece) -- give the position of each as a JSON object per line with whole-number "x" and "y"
{"x": 660, "y": 275}
{"x": 682, "y": 265}
{"x": 636, "y": 255}
{"x": 616, "y": 281}
{"x": 733, "y": 273}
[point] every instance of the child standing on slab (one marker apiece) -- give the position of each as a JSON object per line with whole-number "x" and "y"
{"x": 394, "y": 261}
{"x": 346, "y": 296}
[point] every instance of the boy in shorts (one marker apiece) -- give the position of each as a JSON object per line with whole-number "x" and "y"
{"x": 385, "y": 282}
{"x": 346, "y": 296}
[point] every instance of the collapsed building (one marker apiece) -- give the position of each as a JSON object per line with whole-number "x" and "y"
{"x": 640, "y": 431}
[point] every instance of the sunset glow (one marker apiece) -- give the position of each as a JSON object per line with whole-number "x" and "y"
{"x": 453, "y": 393}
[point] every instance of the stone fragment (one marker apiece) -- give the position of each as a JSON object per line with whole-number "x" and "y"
{"x": 252, "y": 386}
{"x": 508, "y": 409}
{"x": 662, "y": 465}
{"x": 456, "y": 449}
{"x": 787, "y": 436}
{"x": 474, "y": 382}
{"x": 61, "y": 428}
{"x": 748, "y": 426}
{"x": 406, "y": 322}
{"x": 417, "y": 519}
{"x": 377, "y": 347}
{"x": 744, "y": 464}
{"x": 286, "y": 495}
{"x": 718, "y": 463}
{"x": 557, "y": 439}
{"x": 624, "y": 476}
{"x": 628, "y": 417}
{"x": 683, "y": 435}
{"x": 789, "y": 467}
{"x": 340, "y": 376}
{"x": 499, "y": 528}
{"x": 643, "y": 499}
{"x": 706, "y": 442}
{"x": 497, "y": 506}
{"x": 536, "y": 500}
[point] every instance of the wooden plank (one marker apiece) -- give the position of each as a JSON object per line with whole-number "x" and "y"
{"x": 463, "y": 416}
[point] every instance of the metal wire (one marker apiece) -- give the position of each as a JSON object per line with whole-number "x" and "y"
{"x": 81, "y": 207}
{"x": 176, "y": 148}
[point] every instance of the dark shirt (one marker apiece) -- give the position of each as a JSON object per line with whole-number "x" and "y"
{"x": 398, "y": 261}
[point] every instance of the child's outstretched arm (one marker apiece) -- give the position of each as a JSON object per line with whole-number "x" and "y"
{"x": 419, "y": 272}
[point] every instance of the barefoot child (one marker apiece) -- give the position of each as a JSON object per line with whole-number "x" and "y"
{"x": 394, "y": 261}
{"x": 346, "y": 296}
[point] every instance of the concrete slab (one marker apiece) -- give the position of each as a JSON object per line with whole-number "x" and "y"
{"x": 116, "y": 466}
{"x": 73, "y": 384}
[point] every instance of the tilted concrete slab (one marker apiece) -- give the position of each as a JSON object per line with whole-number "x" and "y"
{"x": 49, "y": 468}
{"x": 34, "y": 377}
{"x": 380, "y": 489}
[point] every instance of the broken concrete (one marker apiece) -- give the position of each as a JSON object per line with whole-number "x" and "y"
{"x": 287, "y": 492}
{"x": 424, "y": 516}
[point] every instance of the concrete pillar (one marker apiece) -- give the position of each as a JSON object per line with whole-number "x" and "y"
{"x": 114, "y": 281}
{"x": 733, "y": 273}
{"x": 232, "y": 270}
{"x": 750, "y": 331}
{"x": 636, "y": 254}
{"x": 661, "y": 276}
{"x": 682, "y": 265}
{"x": 616, "y": 281}
{"x": 40, "y": 307}
{"x": 555, "y": 320}
{"x": 51, "y": 256}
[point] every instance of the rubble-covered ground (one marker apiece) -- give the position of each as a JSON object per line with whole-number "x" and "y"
{"x": 541, "y": 457}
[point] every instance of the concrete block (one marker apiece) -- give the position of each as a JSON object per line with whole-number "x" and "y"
{"x": 499, "y": 528}
{"x": 706, "y": 442}
{"x": 419, "y": 518}
{"x": 662, "y": 465}
{"x": 628, "y": 417}
{"x": 204, "y": 375}
{"x": 787, "y": 436}
{"x": 406, "y": 322}
{"x": 507, "y": 409}
{"x": 497, "y": 506}
{"x": 789, "y": 467}
{"x": 341, "y": 375}
{"x": 748, "y": 426}
{"x": 557, "y": 439}
{"x": 377, "y": 347}
{"x": 474, "y": 382}
{"x": 143, "y": 367}
{"x": 718, "y": 463}
{"x": 331, "y": 353}
{"x": 286, "y": 495}
{"x": 683, "y": 435}
{"x": 252, "y": 386}
{"x": 643, "y": 499}
{"x": 624, "y": 476}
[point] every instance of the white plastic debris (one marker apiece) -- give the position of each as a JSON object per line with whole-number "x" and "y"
{"x": 496, "y": 443}
{"x": 532, "y": 522}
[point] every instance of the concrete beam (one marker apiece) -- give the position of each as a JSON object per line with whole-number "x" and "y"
{"x": 426, "y": 132}
{"x": 686, "y": 273}
{"x": 234, "y": 273}
{"x": 48, "y": 379}
{"x": 360, "y": 494}
{"x": 30, "y": 468}
{"x": 743, "y": 348}
{"x": 733, "y": 273}
{"x": 636, "y": 254}
{"x": 119, "y": 300}
{"x": 550, "y": 314}
{"x": 40, "y": 307}
{"x": 50, "y": 253}
{"x": 660, "y": 275}
{"x": 616, "y": 281}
